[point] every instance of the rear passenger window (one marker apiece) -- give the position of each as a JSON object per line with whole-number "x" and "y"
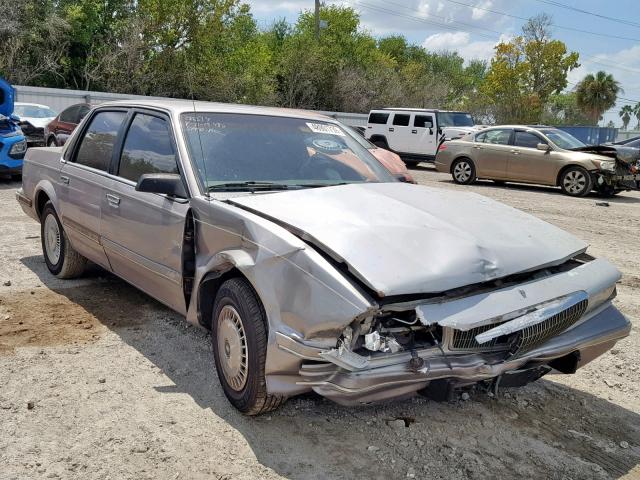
{"x": 96, "y": 147}
{"x": 380, "y": 118}
{"x": 401, "y": 120}
{"x": 527, "y": 140}
{"x": 498, "y": 136}
{"x": 70, "y": 114}
{"x": 147, "y": 148}
{"x": 423, "y": 121}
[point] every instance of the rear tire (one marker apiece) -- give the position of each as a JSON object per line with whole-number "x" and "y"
{"x": 576, "y": 181}
{"x": 61, "y": 258}
{"x": 463, "y": 171}
{"x": 239, "y": 338}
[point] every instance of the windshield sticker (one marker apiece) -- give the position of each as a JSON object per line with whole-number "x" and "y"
{"x": 325, "y": 128}
{"x": 203, "y": 124}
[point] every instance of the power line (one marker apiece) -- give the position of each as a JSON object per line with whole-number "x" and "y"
{"x": 562, "y": 27}
{"x": 587, "y": 12}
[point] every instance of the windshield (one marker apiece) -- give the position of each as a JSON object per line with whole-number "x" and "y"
{"x": 563, "y": 139}
{"x": 234, "y": 150}
{"x": 454, "y": 119}
{"x": 33, "y": 112}
{"x": 359, "y": 138}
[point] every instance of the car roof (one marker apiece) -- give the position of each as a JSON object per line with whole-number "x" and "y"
{"x": 187, "y": 106}
{"x": 27, "y": 104}
{"x": 407, "y": 109}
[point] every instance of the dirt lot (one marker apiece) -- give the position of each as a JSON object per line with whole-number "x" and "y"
{"x": 99, "y": 381}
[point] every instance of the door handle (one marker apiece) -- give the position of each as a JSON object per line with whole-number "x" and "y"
{"x": 515, "y": 152}
{"x": 477, "y": 147}
{"x": 64, "y": 179}
{"x": 113, "y": 200}
{"x": 391, "y": 129}
{"x": 414, "y": 131}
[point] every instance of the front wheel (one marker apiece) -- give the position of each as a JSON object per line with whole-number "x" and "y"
{"x": 239, "y": 338}
{"x": 463, "y": 171}
{"x": 576, "y": 182}
{"x": 61, "y": 258}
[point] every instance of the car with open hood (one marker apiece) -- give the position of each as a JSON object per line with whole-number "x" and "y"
{"x": 311, "y": 265}
{"x": 13, "y": 144}
{"x": 34, "y": 117}
{"x": 540, "y": 155}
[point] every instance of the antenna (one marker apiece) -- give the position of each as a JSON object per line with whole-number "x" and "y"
{"x": 195, "y": 117}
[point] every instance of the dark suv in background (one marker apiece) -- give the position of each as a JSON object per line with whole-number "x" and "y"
{"x": 57, "y": 132}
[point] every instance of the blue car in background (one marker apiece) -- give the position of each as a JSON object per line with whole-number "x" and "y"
{"x": 13, "y": 144}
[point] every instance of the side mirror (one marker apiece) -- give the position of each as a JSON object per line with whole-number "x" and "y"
{"x": 428, "y": 124}
{"x": 543, "y": 146}
{"x": 167, "y": 183}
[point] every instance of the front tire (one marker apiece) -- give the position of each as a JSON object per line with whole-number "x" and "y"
{"x": 51, "y": 142}
{"x": 239, "y": 338}
{"x": 463, "y": 171}
{"x": 61, "y": 258}
{"x": 576, "y": 182}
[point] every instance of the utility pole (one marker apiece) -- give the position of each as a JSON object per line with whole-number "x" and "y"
{"x": 318, "y": 20}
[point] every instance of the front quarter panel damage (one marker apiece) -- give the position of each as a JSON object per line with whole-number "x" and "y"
{"x": 304, "y": 297}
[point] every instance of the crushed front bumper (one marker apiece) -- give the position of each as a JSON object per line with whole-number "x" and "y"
{"x": 391, "y": 376}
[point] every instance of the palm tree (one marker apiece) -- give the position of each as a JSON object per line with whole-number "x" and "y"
{"x": 626, "y": 113}
{"x": 596, "y": 94}
{"x": 636, "y": 112}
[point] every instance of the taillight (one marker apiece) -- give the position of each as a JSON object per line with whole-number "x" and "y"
{"x": 442, "y": 147}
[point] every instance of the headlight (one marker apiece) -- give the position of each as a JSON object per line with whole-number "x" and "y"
{"x": 18, "y": 148}
{"x": 605, "y": 166}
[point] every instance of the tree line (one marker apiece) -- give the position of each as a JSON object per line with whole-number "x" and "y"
{"x": 215, "y": 50}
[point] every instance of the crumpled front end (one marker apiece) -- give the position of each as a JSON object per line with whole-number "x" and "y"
{"x": 508, "y": 333}
{"x": 622, "y": 174}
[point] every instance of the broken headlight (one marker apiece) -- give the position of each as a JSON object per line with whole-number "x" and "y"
{"x": 605, "y": 166}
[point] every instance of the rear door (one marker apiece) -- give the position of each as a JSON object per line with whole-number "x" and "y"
{"x": 83, "y": 180}
{"x": 423, "y": 138}
{"x": 399, "y": 136}
{"x": 143, "y": 232}
{"x": 527, "y": 163}
{"x": 491, "y": 152}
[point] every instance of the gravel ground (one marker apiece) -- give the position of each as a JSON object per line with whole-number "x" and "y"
{"x": 99, "y": 381}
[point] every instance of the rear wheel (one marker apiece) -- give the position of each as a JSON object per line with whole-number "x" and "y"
{"x": 576, "y": 181}
{"x": 239, "y": 338}
{"x": 463, "y": 171}
{"x": 61, "y": 258}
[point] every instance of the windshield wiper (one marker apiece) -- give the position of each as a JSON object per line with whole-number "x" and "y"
{"x": 249, "y": 185}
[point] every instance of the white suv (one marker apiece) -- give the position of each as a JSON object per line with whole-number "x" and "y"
{"x": 414, "y": 133}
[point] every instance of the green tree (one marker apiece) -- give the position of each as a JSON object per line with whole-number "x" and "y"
{"x": 525, "y": 72}
{"x": 562, "y": 109}
{"x": 596, "y": 94}
{"x": 626, "y": 113}
{"x": 636, "y": 111}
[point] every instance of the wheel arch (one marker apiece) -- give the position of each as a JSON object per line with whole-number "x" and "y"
{"x": 567, "y": 167}
{"x": 461, "y": 157}
{"x": 44, "y": 192}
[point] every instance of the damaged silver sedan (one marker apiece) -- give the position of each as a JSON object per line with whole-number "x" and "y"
{"x": 314, "y": 269}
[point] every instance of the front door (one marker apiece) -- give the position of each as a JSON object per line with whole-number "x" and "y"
{"x": 527, "y": 163}
{"x": 143, "y": 232}
{"x": 423, "y": 138}
{"x": 491, "y": 152}
{"x": 83, "y": 180}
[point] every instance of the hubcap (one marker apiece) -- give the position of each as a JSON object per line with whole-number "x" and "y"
{"x": 232, "y": 347}
{"x": 462, "y": 171}
{"x": 52, "y": 239}
{"x": 574, "y": 181}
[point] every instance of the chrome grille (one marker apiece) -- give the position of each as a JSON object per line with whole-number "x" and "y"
{"x": 530, "y": 337}
{"x": 521, "y": 341}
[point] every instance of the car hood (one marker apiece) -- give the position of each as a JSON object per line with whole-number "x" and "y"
{"x": 399, "y": 238}
{"x": 37, "y": 122}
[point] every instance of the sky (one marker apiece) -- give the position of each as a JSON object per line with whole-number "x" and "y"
{"x": 473, "y": 27}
